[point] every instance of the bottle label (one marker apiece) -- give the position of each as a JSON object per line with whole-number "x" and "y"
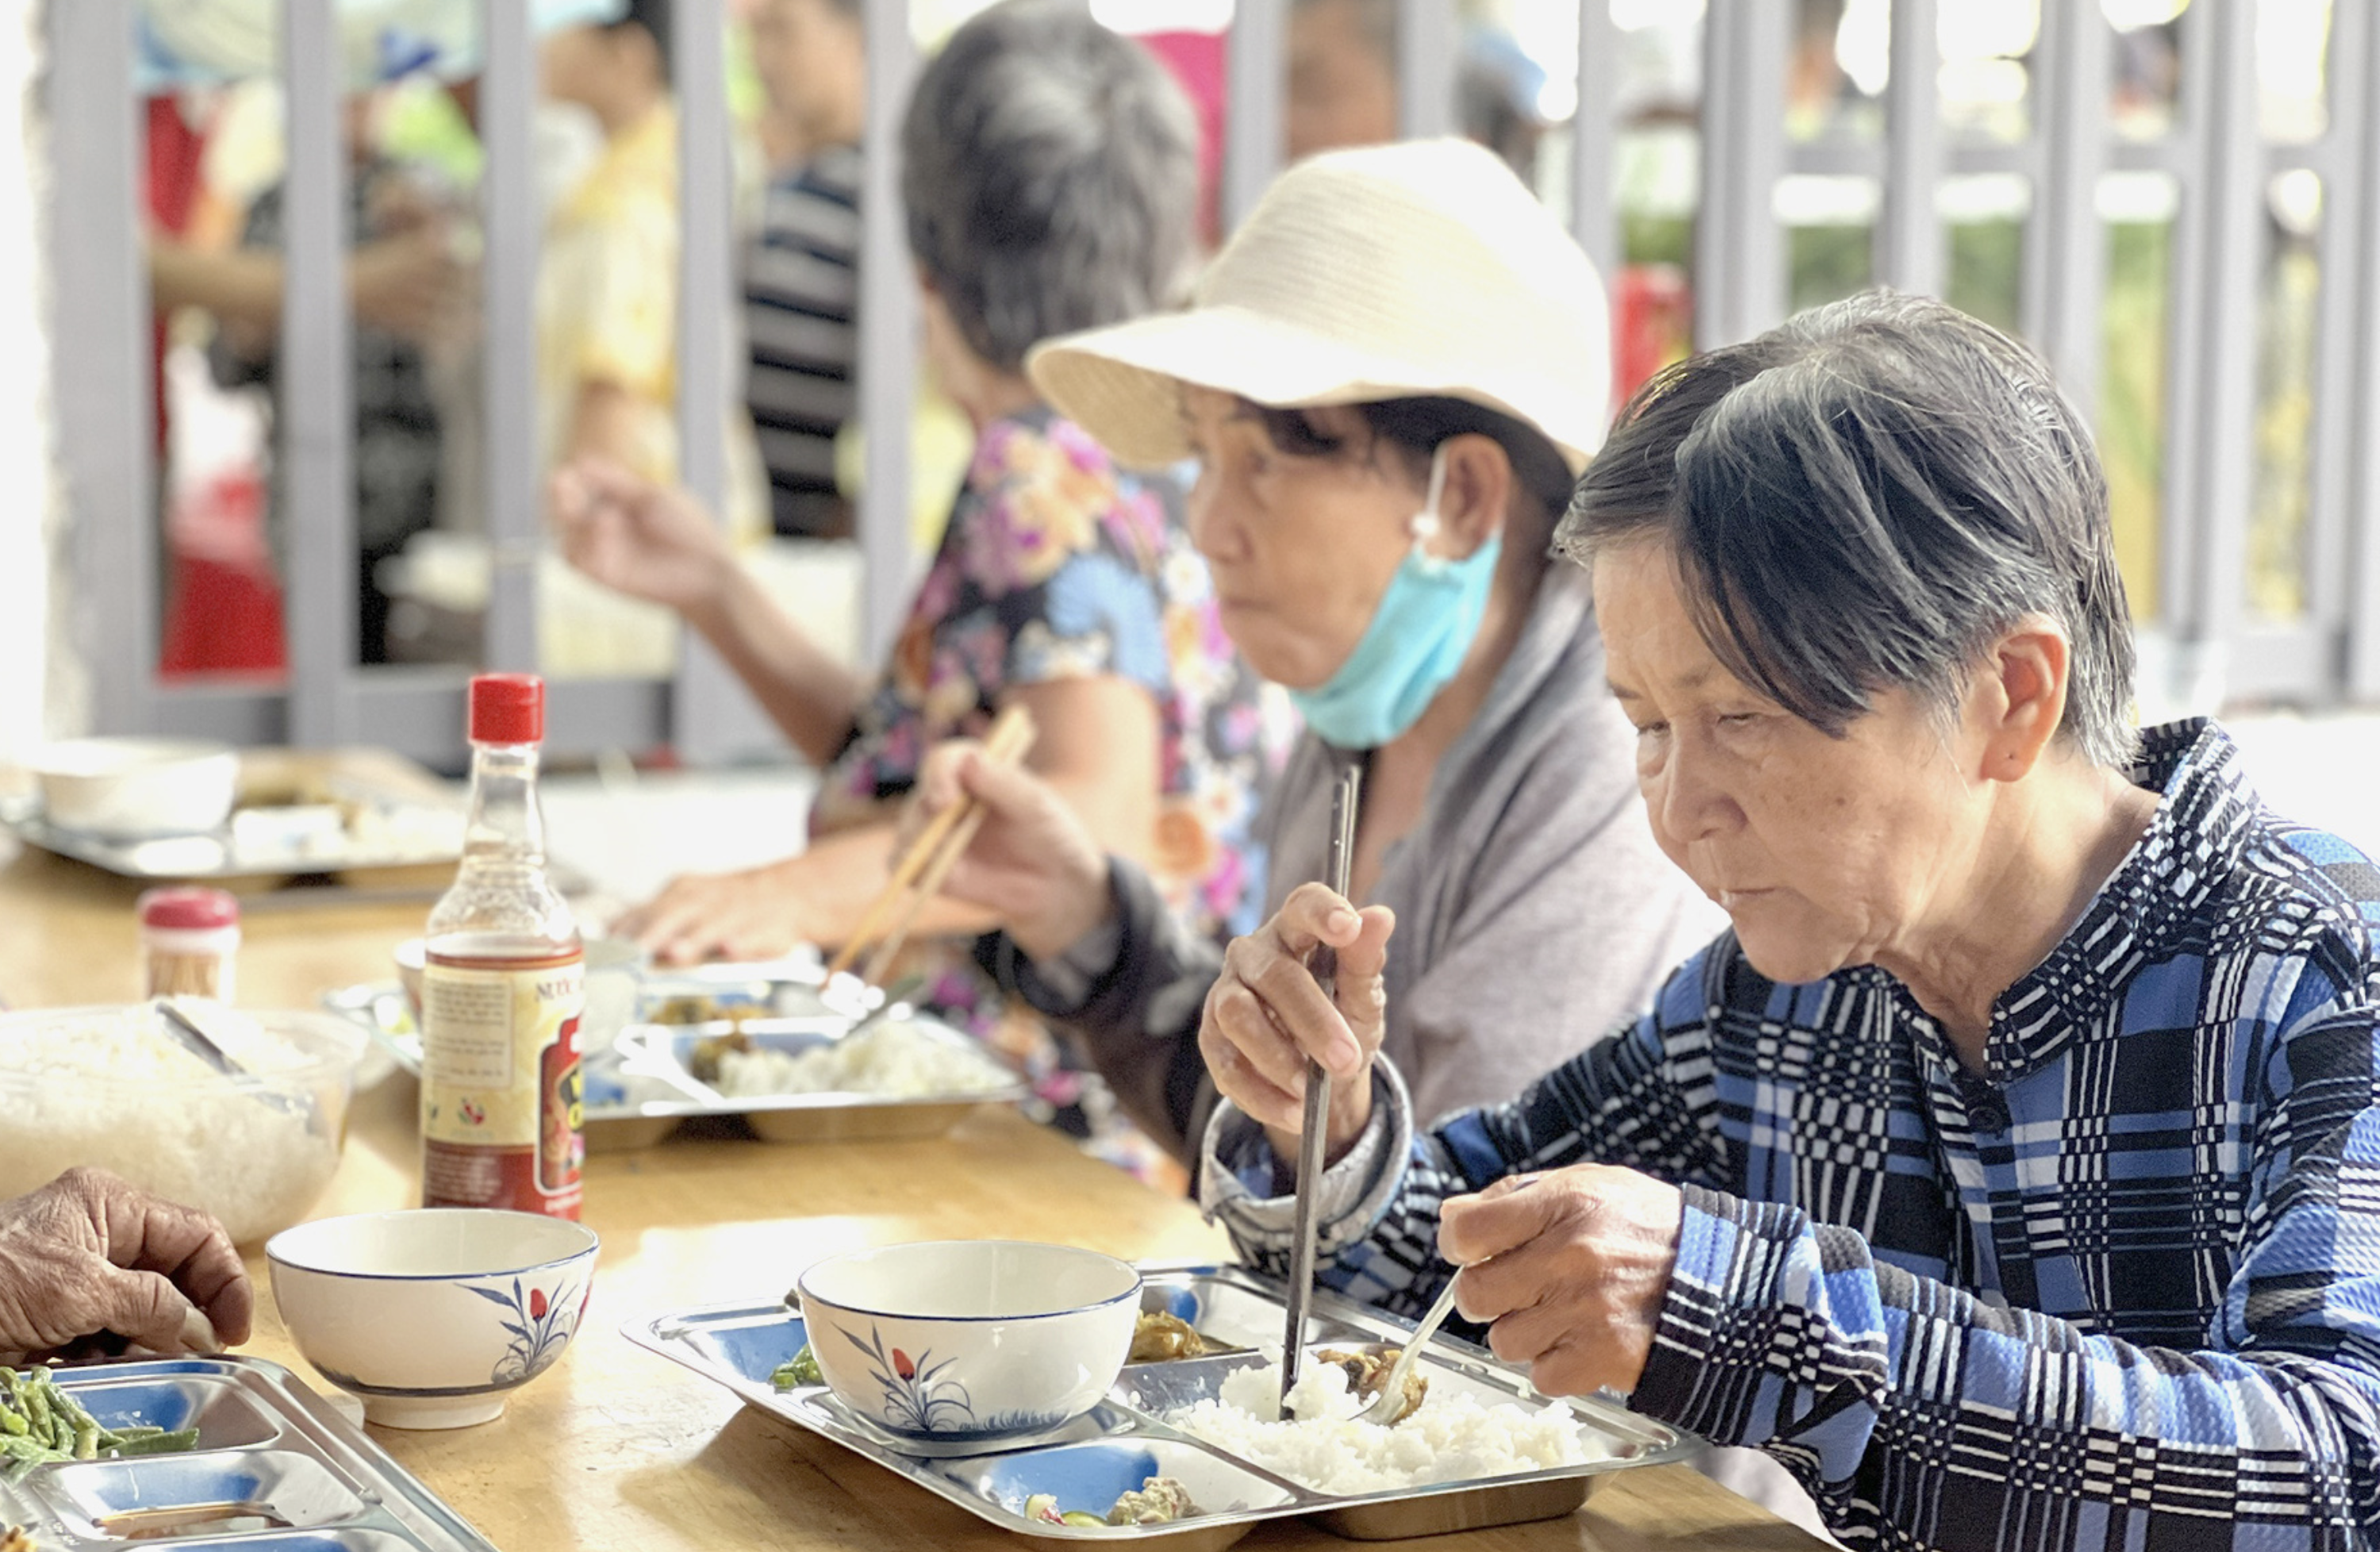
{"x": 500, "y": 1086}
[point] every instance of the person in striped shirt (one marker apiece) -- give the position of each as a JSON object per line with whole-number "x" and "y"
{"x": 801, "y": 272}
{"x": 2010, "y": 1170}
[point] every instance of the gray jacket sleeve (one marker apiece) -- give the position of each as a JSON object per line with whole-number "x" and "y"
{"x": 1551, "y": 918}
{"x": 1136, "y": 1014}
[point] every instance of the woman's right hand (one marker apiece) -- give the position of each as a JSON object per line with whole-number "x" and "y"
{"x": 1267, "y": 1013}
{"x": 647, "y": 541}
{"x": 1032, "y": 862}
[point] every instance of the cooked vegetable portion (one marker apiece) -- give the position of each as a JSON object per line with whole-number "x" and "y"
{"x": 1159, "y": 1338}
{"x": 801, "y": 1368}
{"x": 39, "y": 1422}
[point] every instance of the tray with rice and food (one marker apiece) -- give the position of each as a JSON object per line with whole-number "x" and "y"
{"x": 1187, "y": 1445}
{"x": 759, "y": 1045}
{"x": 180, "y": 1448}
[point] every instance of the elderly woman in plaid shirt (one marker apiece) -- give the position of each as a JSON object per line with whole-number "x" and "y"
{"x": 2010, "y": 1172}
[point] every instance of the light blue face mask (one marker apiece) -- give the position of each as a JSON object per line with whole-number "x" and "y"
{"x": 1420, "y": 632}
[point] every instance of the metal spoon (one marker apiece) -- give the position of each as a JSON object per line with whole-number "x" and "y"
{"x": 1391, "y": 1400}
{"x": 183, "y": 1020}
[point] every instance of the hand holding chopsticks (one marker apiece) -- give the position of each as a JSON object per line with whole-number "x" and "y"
{"x": 918, "y": 873}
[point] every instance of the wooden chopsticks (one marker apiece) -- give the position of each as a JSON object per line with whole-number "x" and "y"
{"x": 917, "y": 876}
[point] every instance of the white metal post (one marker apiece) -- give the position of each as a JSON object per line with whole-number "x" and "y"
{"x": 1256, "y": 81}
{"x": 710, "y": 713}
{"x": 314, "y": 374}
{"x": 887, "y": 332}
{"x": 1909, "y": 250}
{"x": 1429, "y": 57}
{"x": 1593, "y": 220}
{"x": 2211, "y": 462}
{"x": 2066, "y": 243}
{"x": 509, "y": 217}
{"x": 1739, "y": 249}
{"x": 99, "y": 366}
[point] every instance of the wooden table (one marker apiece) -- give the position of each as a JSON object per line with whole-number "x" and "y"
{"x": 617, "y": 1449}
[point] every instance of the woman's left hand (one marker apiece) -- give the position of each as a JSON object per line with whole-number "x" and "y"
{"x": 89, "y": 1254}
{"x": 1570, "y": 1267}
{"x": 758, "y": 913}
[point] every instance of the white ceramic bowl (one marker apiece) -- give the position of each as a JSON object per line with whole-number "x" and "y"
{"x": 113, "y": 1087}
{"x": 431, "y": 1315}
{"x": 132, "y": 788}
{"x": 970, "y": 1340}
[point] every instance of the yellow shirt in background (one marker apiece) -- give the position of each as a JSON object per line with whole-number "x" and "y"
{"x": 607, "y": 311}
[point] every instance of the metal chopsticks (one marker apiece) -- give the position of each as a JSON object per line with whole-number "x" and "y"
{"x": 1345, "y": 798}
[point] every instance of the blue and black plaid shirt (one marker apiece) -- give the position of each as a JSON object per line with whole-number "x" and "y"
{"x": 2122, "y": 1290}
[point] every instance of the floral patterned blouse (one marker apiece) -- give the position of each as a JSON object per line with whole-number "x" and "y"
{"x": 1056, "y": 565}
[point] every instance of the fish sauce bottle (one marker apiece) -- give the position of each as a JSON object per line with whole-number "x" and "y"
{"x": 503, "y": 989}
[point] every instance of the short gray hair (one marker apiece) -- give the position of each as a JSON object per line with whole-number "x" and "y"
{"x": 1863, "y": 499}
{"x": 1050, "y": 171}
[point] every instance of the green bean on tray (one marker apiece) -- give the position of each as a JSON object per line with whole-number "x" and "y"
{"x": 41, "y": 1422}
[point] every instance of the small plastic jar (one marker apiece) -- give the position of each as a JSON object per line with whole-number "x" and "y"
{"x": 189, "y": 942}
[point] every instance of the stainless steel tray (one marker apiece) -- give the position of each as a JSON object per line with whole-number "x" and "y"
{"x": 794, "y": 1021}
{"x": 1126, "y": 1439}
{"x": 267, "y": 1445}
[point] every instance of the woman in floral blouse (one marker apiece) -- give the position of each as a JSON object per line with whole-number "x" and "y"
{"x": 1061, "y": 584}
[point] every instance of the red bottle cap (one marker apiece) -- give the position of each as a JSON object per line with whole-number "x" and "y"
{"x": 188, "y": 910}
{"x": 507, "y": 708}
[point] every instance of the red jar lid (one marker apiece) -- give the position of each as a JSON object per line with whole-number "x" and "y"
{"x": 507, "y": 708}
{"x": 189, "y": 910}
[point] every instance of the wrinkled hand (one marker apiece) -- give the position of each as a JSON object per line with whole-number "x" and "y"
{"x": 1031, "y": 862}
{"x": 408, "y": 284}
{"x": 1266, "y": 1014}
{"x": 89, "y": 1254}
{"x": 1572, "y": 1268}
{"x": 647, "y": 541}
{"x": 758, "y": 913}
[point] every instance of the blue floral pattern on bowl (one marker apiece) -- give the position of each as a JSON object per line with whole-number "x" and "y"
{"x": 540, "y": 1324}
{"x": 921, "y": 1396}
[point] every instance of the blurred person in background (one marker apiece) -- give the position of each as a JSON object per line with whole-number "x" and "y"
{"x": 1049, "y": 170}
{"x": 1342, "y": 84}
{"x": 409, "y": 289}
{"x": 607, "y": 283}
{"x": 89, "y": 1263}
{"x": 1388, "y": 379}
{"x": 801, "y": 275}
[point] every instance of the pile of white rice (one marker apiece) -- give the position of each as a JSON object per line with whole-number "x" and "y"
{"x": 893, "y": 1057}
{"x": 1451, "y": 1438}
{"x": 113, "y": 1090}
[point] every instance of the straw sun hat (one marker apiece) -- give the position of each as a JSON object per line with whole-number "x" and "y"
{"x": 1423, "y": 269}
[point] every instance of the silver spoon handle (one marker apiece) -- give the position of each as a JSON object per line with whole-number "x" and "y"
{"x": 1393, "y": 1390}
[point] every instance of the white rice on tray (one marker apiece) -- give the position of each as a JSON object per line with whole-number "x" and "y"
{"x": 892, "y": 1058}
{"x": 1451, "y": 1438}
{"x": 187, "y": 1134}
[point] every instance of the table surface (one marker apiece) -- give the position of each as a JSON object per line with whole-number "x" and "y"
{"x": 615, "y": 1448}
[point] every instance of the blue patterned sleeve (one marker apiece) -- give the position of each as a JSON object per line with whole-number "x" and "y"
{"x": 1642, "y": 1098}
{"x": 1918, "y": 1414}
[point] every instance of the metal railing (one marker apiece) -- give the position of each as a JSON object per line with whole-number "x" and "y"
{"x": 2216, "y": 154}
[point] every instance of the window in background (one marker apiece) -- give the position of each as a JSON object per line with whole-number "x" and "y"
{"x": 2144, "y": 66}
{"x": 2292, "y": 46}
{"x": 2285, "y": 398}
{"x": 1987, "y": 67}
{"x": 1657, "y": 184}
{"x": 2139, "y": 211}
{"x": 1983, "y": 216}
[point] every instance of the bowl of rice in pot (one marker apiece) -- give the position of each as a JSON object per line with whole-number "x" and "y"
{"x": 115, "y": 1088}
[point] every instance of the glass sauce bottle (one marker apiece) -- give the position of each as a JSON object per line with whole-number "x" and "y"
{"x": 503, "y": 989}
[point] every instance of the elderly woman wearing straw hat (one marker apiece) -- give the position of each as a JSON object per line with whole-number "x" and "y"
{"x": 1387, "y": 382}
{"x": 2010, "y": 1173}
